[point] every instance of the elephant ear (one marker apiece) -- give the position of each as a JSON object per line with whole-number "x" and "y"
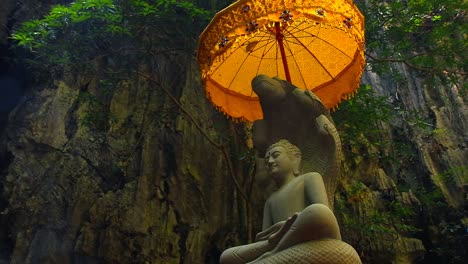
{"x": 301, "y": 118}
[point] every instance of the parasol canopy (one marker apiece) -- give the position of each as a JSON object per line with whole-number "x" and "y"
{"x": 316, "y": 45}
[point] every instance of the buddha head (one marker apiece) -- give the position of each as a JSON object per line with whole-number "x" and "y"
{"x": 283, "y": 159}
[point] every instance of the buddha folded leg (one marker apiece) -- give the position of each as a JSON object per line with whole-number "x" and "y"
{"x": 324, "y": 251}
{"x": 268, "y": 240}
{"x": 245, "y": 253}
{"x": 315, "y": 222}
{"x": 314, "y": 238}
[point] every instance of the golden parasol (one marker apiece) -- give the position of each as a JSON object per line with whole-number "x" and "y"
{"x": 316, "y": 45}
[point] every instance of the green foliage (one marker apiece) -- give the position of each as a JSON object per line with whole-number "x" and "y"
{"x": 363, "y": 113}
{"x": 431, "y": 199}
{"x": 416, "y": 120}
{"x": 357, "y": 192}
{"x": 361, "y": 121}
{"x": 428, "y": 35}
{"x": 108, "y": 40}
{"x": 96, "y": 113}
{"x": 388, "y": 225}
{"x": 453, "y": 248}
{"x": 450, "y": 176}
{"x": 366, "y": 220}
{"x": 373, "y": 225}
{"x": 388, "y": 217}
{"x": 448, "y": 232}
{"x": 112, "y": 34}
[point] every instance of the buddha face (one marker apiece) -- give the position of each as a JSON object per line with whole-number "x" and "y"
{"x": 278, "y": 163}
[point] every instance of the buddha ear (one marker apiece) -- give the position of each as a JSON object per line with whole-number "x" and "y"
{"x": 296, "y": 172}
{"x": 296, "y": 165}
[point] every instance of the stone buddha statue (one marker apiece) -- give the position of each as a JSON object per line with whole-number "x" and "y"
{"x": 298, "y": 223}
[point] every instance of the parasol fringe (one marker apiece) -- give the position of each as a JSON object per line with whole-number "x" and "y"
{"x": 351, "y": 94}
{"x": 218, "y": 108}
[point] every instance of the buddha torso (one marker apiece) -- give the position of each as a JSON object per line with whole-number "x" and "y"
{"x": 289, "y": 199}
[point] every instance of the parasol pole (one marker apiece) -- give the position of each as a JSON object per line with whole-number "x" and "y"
{"x": 279, "y": 38}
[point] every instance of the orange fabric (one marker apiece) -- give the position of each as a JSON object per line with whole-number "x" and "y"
{"x": 323, "y": 41}
{"x": 240, "y": 107}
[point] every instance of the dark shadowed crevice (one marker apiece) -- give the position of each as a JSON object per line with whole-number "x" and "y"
{"x": 170, "y": 158}
{"x": 12, "y": 86}
{"x": 213, "y": 251}
{"x": 71, "y": 120}
{"x": 6, "y": 240}
{"x": 13, "y": 83}
{"x": 183, "y": 230}
{"x": 170, "y": 165}
{"x": 13, "y": 75}
{"x": 213, "y": 254}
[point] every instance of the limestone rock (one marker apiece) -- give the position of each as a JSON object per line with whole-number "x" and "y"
{"x": 408, "y": 250}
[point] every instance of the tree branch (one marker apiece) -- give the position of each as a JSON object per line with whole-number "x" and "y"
{"x": 221, "y": 147}
{"x": 406, "y": 62}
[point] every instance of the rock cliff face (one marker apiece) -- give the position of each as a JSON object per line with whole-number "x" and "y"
{"x": 149, "y": 189}
{"x": 146, "y": 186}
{"x": 418, "y": 181}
